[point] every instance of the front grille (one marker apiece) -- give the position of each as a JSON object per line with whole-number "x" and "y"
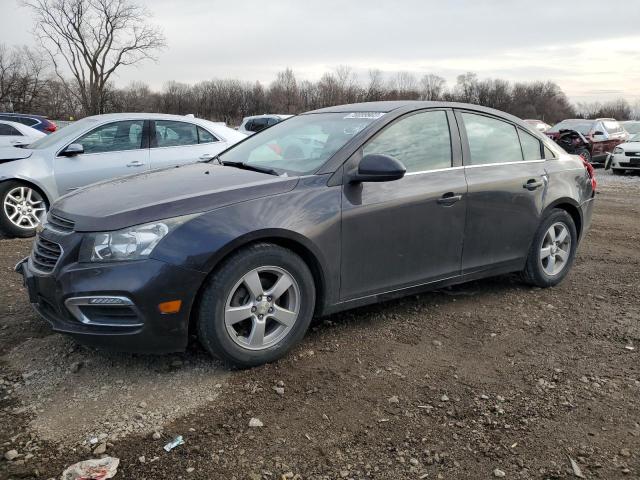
{"x": 45, "y": 254}
{"x": 60, "y": 224}
{"x": 628, "y": 165}
{"x": 632, "y": 154}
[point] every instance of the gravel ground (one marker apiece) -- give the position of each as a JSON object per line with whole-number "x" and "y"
{"x": 486, "y": 380}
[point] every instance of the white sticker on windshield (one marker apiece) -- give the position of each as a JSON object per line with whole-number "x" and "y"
{"x": 371, "y": 115}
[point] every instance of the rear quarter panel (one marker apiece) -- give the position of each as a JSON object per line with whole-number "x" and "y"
{"x": 569, "y": 183}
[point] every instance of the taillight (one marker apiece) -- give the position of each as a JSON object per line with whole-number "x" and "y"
{"x": 52, "y": 127}
{"x": 591, "y": 172}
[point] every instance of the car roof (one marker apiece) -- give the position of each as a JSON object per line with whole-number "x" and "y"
{"x": 28, "y": 115}
{"x": 268, "y": 115}
{"x": 389, "y": 106}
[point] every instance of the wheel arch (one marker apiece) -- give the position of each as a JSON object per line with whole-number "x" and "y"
{"x": 30, "y": 183}
{"x": 284, "y": 238}
{"x": 570, "y": 206}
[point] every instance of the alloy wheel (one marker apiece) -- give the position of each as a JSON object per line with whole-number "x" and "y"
{"x": 24, "y": 207}
{"x": 262, "y": 308}
{"x": 556, "y": 249}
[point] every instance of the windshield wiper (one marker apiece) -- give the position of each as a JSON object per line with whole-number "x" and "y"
{"x": 247, "y": 166}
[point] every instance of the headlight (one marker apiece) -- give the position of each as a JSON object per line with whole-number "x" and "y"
{"x": 132, "y": 243}
{"x": 618, "y": 150}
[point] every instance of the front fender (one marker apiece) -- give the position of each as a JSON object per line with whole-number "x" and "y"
{"x": 308, "y": 217}
{"x": 34, "y": 171}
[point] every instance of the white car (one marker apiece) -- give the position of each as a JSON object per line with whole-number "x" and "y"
{"x": 14, "y": 133}
{"x": 99, "y": 148}
{"x": 255, "y": 123}
{"x": 538, "y": 125}
{"x": 626, "y": 156}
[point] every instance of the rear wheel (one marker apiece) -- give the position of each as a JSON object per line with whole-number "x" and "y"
{"x": 552, "y": 251}
{"x": 584, "y": 153}
{"x": 257, "y": 306}
{"x": 23, "y": 209}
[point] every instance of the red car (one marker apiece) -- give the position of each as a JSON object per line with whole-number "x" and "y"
{"x": 591, "y": 139}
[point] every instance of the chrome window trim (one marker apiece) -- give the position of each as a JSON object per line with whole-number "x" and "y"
{"x": 497, "y": 164}
{"x": 435, "y": 170}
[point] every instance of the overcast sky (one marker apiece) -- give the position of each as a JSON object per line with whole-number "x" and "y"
{"x": 591, "y": 48}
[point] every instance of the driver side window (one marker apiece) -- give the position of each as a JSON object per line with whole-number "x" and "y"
{"x": 113, "y": 137}
{"x": 421, "y": 142}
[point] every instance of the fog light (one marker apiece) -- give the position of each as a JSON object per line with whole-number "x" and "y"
{"x": 172, "y": 306}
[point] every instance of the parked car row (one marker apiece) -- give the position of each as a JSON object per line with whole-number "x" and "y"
{"x": 95, "y": 149}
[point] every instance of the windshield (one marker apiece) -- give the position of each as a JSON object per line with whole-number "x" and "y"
{"x": 302, "y": 144}
{"x": 55, "y": 137}
{"x": 632, "y": 128}
{"x": 582, "y": 126}
{"x": 635, "y": 138}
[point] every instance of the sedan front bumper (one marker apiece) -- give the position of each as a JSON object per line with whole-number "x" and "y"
{"x": 116, "y": 305}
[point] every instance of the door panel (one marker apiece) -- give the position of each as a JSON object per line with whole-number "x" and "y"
{"x": 111, "y": 150}
{"x": 503, "y": 215}
{"x": 397, "y": 234}
{"x": 507, "y": 182}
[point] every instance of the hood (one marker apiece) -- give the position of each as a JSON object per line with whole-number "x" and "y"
{"x": 9, "y": 154}
{"x": 167, "y": 193}
{"x": 630, "y": 146}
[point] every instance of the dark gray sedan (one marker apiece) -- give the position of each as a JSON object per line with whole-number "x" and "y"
{"x": 325, "y": 211}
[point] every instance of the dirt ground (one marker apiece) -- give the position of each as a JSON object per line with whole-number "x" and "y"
{"x": 489, "y": 379}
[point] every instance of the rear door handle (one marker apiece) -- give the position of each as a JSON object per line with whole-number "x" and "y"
{"x": 449, "y": 199}
{"x": 532, "y": 184}
{"x": 135, "y": 163}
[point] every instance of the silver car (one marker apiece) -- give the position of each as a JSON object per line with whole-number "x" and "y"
{"x": 95, "y": 149}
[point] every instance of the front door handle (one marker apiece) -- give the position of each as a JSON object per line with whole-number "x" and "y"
{"x": 532, "y": 184}
{"x": 135, "y": 163}
{"x": 449, "y": 199}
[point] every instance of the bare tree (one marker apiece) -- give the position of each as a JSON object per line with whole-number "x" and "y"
{"x": 93, "y": 38}
{"x": 432, "y": 87}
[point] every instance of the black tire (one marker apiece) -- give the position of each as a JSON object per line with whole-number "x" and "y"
{"x": 212, "y": 331}
{"x": 618, "y": 171}
{"x": 7, "y": 227}
{"x": 534, "y": 273}
{"x": 584, "y": 153}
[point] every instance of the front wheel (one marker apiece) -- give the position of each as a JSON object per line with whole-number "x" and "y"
{"x": 23, "y": 209}
{"x": 256, "y": 306}
{"x": 552, "y": 251}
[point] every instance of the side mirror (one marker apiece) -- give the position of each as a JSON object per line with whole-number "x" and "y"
{"x": 72, "y": 150}
{"x": 377, "y": 168}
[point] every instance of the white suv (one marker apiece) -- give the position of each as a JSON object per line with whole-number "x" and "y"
{"x": 255, "y": 123}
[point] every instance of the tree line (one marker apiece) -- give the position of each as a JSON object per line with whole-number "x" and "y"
{"x": 27, "y": 84}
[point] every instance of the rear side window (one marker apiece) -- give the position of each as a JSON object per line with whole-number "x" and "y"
{"x": 548, "y": 153}
{"x": 421, "y": 142}
{"x": 6, "y": 130}
{"x": 491, "y": 140}
{"x": 257, "y": 124}
{"x": 113, "y": 137}
{"x": 173, "y": 134}
{"x": 272, "y": 121}
{"x": 30, "y": 122}
{"x": 531, "y": 146}
{"x": 204, "y": 136}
